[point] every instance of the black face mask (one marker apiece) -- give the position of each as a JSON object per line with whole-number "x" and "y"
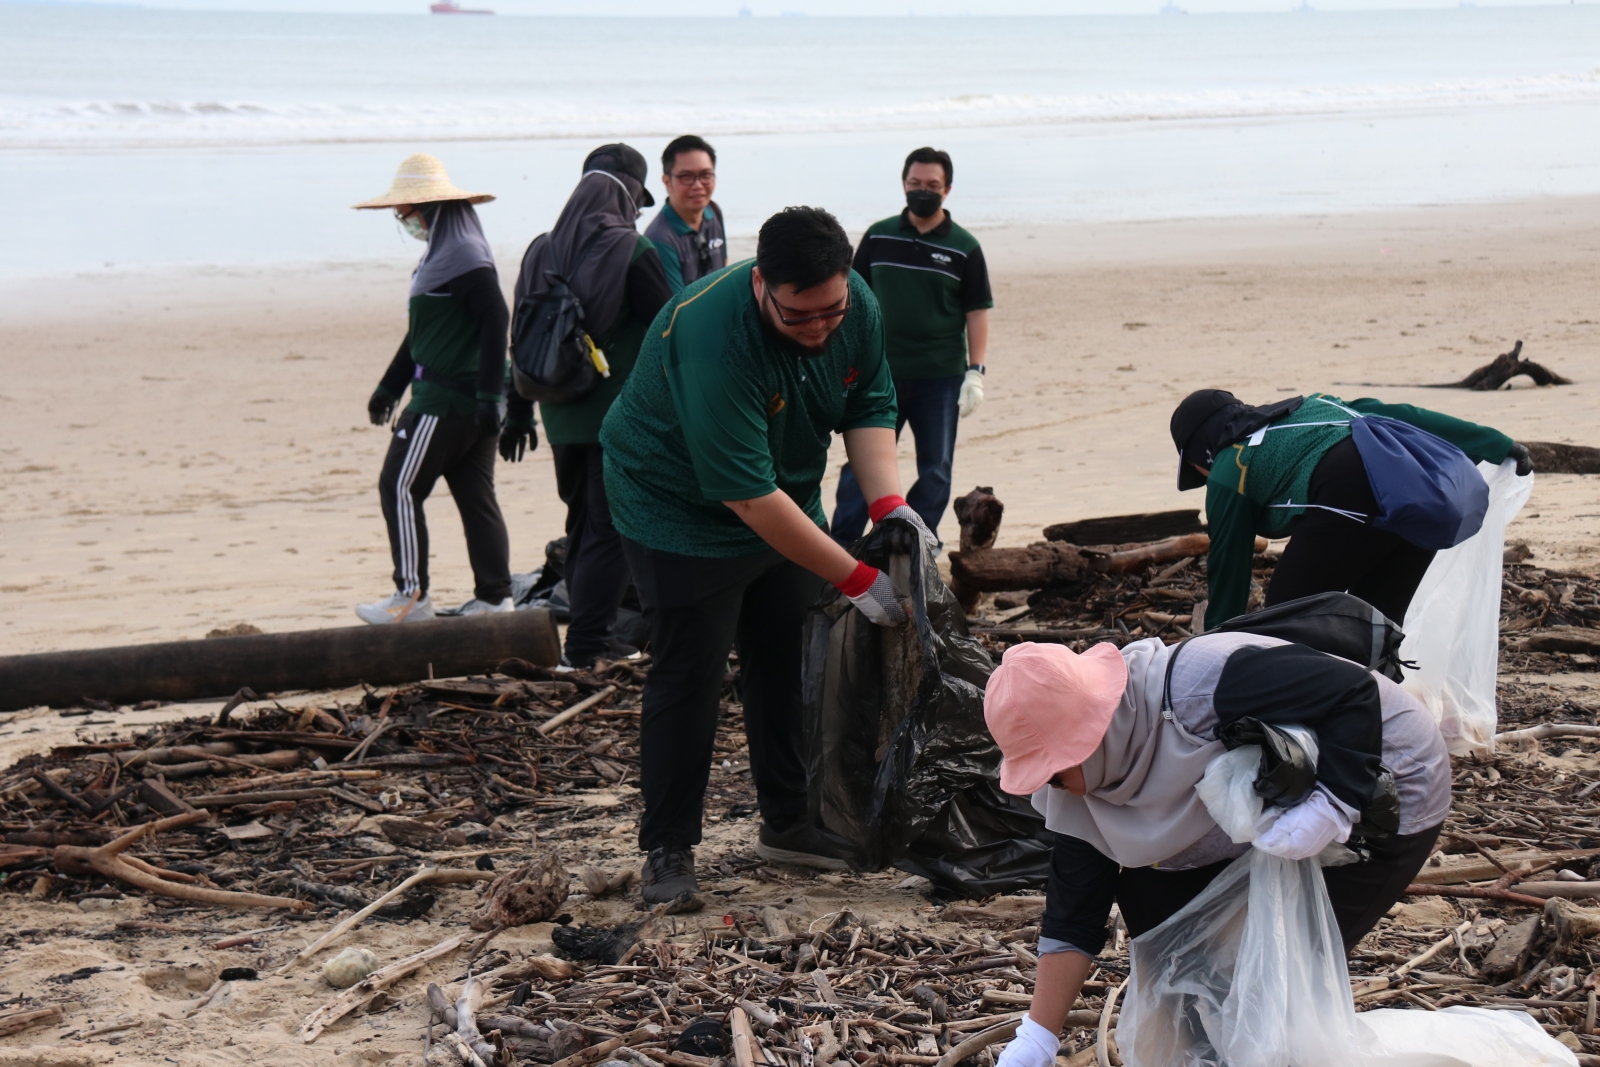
{"x": 924, "y": 203}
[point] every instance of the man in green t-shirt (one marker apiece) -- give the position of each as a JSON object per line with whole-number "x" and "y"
{"x": 714, "y": 456}
{"x": 930, "y": 279}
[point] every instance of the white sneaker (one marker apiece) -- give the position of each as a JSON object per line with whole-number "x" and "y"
{"x": 398, "y": 607}
{"x": 483, "y": 607}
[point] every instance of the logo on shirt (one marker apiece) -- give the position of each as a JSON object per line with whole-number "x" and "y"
{"x": 774, "y": 405}
{"x": 851, "y": 376}
{"x": 940, "y": 257}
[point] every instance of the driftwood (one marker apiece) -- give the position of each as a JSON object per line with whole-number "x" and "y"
{"x": 979, "y": 513}
{"x": 1545, "y": 731}
{"x": 14, "y": 1022}
{"x": 1058, "y": 562}
{"x": 1503, "y": 368}
{"x": 1549, "y": 457}
{"x": 378, "y": 980}
{"x": 577, "y": 709}
{"x": 1561, "y": 639}
{"x": 108, "y": 860}
{"x": 1123, "y": 529}
{"x": 310, "y": 659}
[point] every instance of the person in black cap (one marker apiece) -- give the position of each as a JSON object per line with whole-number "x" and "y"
{"x": 617, "y": 276}
{"x": 1311, "y": 482}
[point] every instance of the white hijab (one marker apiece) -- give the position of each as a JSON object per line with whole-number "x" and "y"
{"x": 1141, "y": 806}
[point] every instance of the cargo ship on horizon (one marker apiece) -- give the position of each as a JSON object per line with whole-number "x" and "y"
{"x": 450, "y": 7}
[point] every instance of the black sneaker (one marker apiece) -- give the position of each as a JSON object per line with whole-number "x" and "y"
{"x": 668, "y": 875}
{"x": 802, "y": 845}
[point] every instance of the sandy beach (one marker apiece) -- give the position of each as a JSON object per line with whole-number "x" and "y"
{"x": 188, "y": 449}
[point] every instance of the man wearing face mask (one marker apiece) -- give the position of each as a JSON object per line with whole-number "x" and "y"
{"x": 930, "y": 279}
{"x": 453, "y": 359}
{"x": 714, "y": 456}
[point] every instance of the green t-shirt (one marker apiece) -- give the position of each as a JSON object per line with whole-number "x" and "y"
{"x": 925, "y": 283}
{"x": 1261, "y": 484}
{"x": 578, "y": 423}
{"x": 444, "y": 338}
{"x": 717, "y": 410}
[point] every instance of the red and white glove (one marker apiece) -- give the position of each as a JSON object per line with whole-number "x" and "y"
{"x": 870, "y": 590}
{"x": 895, "y": 507}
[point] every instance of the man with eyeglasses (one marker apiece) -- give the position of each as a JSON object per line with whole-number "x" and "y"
{"x": 687, "y": 231}
{"x": 715, "y": 453}
{"x": 931, "y": 280}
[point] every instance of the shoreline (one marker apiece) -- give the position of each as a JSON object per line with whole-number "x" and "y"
{"x": 190, "y": 448}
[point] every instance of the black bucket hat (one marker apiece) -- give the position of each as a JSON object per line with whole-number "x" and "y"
{"x": 622, "y": 159}
{"x": 1210, "y": 420}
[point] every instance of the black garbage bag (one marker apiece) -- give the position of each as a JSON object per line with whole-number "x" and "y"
{"x": 901, "y": 770}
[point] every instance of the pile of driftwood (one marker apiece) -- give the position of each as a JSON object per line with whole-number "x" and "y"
{"x": 261, "y": 812}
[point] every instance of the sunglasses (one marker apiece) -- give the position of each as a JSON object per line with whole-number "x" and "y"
{"x": 798, "y": 320}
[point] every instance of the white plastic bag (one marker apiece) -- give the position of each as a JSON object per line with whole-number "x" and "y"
{"x": 1457, "y": 1037}
{"x": 1453, "y": 625}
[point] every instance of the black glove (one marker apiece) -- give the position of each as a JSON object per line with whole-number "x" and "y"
{"x": 1519, "y": 452}
{"x": 487, "y": 416}
{"x": 380, "y": 407}
{"x": 517, "y": 438}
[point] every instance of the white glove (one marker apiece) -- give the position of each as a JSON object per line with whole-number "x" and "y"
{"x": 1034, "y": 1046}
{"x": 1307, "y": 828}
{"x": 878, "y": 602}
{"x": 971, "y": 392}
{"x": 904, "y": 512}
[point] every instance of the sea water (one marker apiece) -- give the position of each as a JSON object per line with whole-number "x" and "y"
{"x": 133, "y": 136}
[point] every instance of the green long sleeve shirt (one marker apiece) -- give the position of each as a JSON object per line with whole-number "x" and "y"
{"x": 1255, "y": 483}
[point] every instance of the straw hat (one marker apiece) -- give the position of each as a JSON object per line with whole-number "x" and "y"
{"x": 422, "y": 180}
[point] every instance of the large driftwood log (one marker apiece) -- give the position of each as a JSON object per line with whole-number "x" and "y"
{"x": 1057, "y": 562}
{"x": 1506, "y": 366}
{"x": 1561, "y": 639}
{"x": 1122, "y": 529}
{"x": 309, "y": 659}
{"x": 979, "y": 513}
{"x": 1550, "y": 457}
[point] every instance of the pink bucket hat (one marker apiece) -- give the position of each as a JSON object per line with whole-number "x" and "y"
{"x": 1048, "y": 708}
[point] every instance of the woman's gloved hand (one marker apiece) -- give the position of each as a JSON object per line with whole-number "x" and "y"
{"x": 870, "y": 590}
{"x": 895, "y": 507}
{"x": 517, "y": 437}
{"x": 1307, "y": 828}
{"x": 1034, "y": 1046}
{"x": 380, "y": 407}
{"x": 1519, "y": 452}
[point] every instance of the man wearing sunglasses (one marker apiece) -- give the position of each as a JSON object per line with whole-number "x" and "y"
{"x": 715, "y": 453}
{"x": 930, "y": 278}
{"x": 687, "y": 231}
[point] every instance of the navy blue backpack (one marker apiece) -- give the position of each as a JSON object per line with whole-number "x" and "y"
{"x": 1428, "y": 491}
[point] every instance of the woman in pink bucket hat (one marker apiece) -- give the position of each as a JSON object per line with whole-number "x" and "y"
{"x": 1110, "y": 744}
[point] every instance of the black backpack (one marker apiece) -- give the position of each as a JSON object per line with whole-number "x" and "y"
{"x": 553, "y": 358}
{"x": 1336, "y": 623}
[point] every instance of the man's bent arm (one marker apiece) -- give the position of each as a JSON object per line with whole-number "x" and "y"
{"x": 977, "y": 336}
{"x": 779, "y": 522}
{"x": 872, "y": 456}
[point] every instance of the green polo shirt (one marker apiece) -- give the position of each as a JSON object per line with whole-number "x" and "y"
{"x": 1261, "y": 484}
{"x": 925, "y": 283}
{"x": 443, "y": 338}
{"x": 717, "y": 409}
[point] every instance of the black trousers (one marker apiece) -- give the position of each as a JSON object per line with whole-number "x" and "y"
{"x": 698, "y": 609}
{"x": 1360, "y": 892}
{"x": 596, "y": 570}
{"x": 423, "y": 448}
{"x": 1329, "y": 552}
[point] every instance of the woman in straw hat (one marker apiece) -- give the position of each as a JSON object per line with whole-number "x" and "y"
{"x": 453, "y": 358}
{"x": 618, "y": 277}
{"x": 1110, "y": 745}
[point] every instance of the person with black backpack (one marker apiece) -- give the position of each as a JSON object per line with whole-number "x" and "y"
{"x": 1111, "y": 743}
{"x": 1369, "y": 492}
{"x": 586, "y": 292}
{"x": 453, "y": 359}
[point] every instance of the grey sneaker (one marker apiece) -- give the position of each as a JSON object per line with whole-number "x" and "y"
{"x": 486, "y": 607}
{"x": 802, "y": 845}
{"x": 668, "y": 875}
{"x": 398, "y": 607}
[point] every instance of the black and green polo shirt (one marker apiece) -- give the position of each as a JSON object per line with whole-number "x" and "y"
{"x": 925, "y": 283}
{"x": 716, "y": 409}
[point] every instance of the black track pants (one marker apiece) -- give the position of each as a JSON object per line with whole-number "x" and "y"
{"x": 423, "y": 448}
{"x": 596, "y": 571}
{"x": 1331, "y": 553}
{"x": 698, "y": 609}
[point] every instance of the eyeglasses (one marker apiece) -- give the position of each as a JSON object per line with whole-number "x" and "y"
{"x": 707, "y": 178}
{"x": 836, "y": 313}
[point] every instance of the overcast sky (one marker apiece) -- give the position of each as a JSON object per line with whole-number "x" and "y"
{"x": 775, "y": 8}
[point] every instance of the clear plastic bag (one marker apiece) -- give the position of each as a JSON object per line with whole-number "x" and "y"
{"x": 1453, "y": 625}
